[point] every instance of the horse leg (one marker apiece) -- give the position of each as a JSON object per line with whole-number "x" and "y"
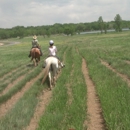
{"x": 54, "y": 67}
{"x": 37, "y": 61}
{"x": 50, "y": 80}
{"x": 34, "y": 62}
{"x": 54, "y": 81}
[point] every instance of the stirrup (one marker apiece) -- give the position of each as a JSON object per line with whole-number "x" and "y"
{"x": 62, "y": 65}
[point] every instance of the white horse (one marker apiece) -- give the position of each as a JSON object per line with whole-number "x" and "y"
{"x": 53, "y": 65}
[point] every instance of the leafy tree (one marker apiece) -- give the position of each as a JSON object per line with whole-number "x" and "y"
{"x": 18, "y": 31}
{"x": 67, "y": 28}
{"x": 88, "y": 27}
{"x": 58, "y": 28}
{"x": 68, "y": 31}
{"x": 118, "y": 22}
{"x": 105, "y": 27}
{"x": 94, "y": 26}
{"x": 80, "y": 27}
{"x": 48, "y": 33}
{"x": 43, "y": 32}
{"x": 101, "y": 24}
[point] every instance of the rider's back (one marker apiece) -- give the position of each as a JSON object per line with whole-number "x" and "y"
{"x": 34, "y": 43}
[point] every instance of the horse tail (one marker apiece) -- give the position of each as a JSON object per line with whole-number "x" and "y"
{"x": 46, "y": 71}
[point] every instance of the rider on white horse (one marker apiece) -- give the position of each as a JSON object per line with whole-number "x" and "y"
{"x": 51, "y": 70}
{"x": 52, "y": 52}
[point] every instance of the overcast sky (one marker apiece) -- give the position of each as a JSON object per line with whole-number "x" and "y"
{"x": 48, "y": 12}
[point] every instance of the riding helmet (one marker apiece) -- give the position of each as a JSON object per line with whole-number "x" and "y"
{"x": 51, "y": 42}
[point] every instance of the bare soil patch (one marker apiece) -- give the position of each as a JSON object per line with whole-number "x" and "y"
{"x": 128, "y": 62}
{"x": 95, "y": 120}
{"x": 1, "y": 44}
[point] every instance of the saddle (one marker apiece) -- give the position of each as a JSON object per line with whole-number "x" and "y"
{"x": 53, "y": 56}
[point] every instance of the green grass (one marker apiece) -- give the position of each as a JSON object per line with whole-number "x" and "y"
{"x": 19, "y": 117}
{"x": 113, "y": 92}
{"x": 60, "y": 114}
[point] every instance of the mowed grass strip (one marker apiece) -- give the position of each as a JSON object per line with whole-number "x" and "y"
{"x": 22, "y": 112}
{"x": 59, "y": 114}
{"x": 13, "y": 76}
{"x": 20, "y": 115}
{"x": 116, "y": 53}
{"x": 54, "y": 113}
{"x": 113, "y": 92}
{"x": 76, "y": 112}
{"x": 10, "y": 73}
{"x": 12, "y": 57}
{"x": 20, "y": 85}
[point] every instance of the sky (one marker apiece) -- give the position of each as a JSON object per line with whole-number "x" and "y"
{"x": 48, "y": 12}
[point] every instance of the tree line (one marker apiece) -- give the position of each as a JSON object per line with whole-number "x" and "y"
{"x": 67, "y": 28}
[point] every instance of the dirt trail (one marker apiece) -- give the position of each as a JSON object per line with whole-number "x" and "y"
{"x": 128, "y": 62}
{"x": 8, "y": 74}
{"x": 5, "y": 107}
{"x": 43, "y": 102}
{"x": 95, "y": 120}
{"x": 11, "y": 85}
{"x": 124, "y": 77}
{"x": 69, "y": 89}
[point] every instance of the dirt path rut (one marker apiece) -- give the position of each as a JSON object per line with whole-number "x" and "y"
{"x": 5, "y": 107}
{"x": 95, "y": 120}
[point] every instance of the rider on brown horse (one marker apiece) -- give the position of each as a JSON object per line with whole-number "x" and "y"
{"x": 35, "y": 45}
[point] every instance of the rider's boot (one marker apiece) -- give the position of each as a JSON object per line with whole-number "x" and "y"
{"x": 62, "y": 65}
{"x": 29, "y": 54}
{"x": 41, "y": 52}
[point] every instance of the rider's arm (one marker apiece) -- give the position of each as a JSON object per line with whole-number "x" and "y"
{"x": 37, "y": 43}
{"x": 50, "y": 53}
{"x": 55, "y": 49}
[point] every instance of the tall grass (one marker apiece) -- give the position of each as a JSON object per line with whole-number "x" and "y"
{"x": 67, "y": 108}
{"x": 20, "y": 115}
{"x": 113, "y": 92}
{"x": 59, "y": 114}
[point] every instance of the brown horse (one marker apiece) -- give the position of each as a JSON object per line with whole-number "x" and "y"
{"x": 35, "y": 54}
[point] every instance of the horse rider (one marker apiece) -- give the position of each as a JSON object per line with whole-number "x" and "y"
{"x": 52, "y": 52}
{"x": 35, "y": 44}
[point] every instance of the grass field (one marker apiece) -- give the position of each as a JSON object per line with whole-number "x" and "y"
{"x": 65, "y": 107}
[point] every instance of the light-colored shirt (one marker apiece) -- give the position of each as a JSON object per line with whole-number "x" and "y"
{"x": 52, "y": 51}
{"x": 35, "y": 43}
